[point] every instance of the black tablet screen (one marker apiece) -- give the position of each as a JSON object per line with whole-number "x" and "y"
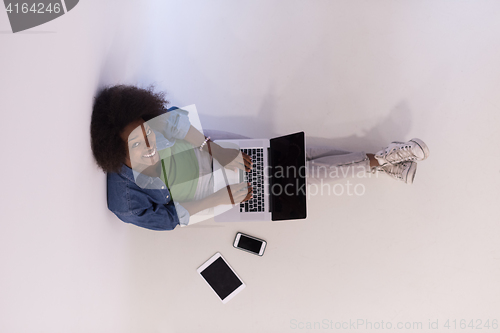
{"x": 221, "y": 278}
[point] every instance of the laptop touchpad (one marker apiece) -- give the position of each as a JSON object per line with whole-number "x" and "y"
{"x": 252, "y": 217}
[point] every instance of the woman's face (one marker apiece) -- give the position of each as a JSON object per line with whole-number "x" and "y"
{"x": 141, "y": 143}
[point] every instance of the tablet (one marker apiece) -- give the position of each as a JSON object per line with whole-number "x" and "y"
{"x": 221, "y": 278}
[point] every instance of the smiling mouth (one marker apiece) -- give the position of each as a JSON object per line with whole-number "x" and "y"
{"x": 151, "y": 155}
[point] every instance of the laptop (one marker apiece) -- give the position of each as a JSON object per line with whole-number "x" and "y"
{"x": 278, "y": 178}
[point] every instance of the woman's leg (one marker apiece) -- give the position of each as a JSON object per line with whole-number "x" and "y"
{"x": 327, "y": 164}
{"x": 373, "y": 161}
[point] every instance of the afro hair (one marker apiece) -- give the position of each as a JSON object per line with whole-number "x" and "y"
{"x": 114, "y": 108}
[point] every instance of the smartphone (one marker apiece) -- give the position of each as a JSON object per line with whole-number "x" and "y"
{"x": 249, "y": 244}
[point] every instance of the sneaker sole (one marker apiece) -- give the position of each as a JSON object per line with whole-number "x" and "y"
{"x": 410, "y": 174}
{"x": 422, "y": 145}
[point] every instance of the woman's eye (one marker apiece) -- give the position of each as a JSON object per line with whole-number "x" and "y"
{"x": 149, "y": 132}
{"x": 135, "y": 145}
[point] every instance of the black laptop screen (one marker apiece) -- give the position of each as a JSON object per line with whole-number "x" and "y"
{"x": 288, "y": 177}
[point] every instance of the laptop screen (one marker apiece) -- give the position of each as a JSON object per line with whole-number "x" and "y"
{"x": 288, "y": 177}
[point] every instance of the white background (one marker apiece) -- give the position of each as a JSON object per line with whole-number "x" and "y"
{"x": 353, "y": 74}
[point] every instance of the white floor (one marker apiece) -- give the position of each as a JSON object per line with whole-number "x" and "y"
{"x": 354, "y": 74}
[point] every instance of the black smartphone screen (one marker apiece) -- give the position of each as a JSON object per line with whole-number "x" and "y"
{"x": 249, "y": 244}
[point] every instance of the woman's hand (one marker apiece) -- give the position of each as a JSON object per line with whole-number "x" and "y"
{"x": 241, "y": 192}
{"x": 231, "y": 158}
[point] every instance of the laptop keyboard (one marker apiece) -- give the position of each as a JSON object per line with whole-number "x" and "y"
{"x": 256, "y": 178}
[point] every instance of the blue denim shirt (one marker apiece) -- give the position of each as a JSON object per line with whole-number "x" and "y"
{"x": 149, "y": 206}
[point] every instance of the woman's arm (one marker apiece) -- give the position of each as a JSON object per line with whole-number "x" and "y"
{"x": 195, "y": 137}
{"x": 240, "y": 192}
{"x": 229, "y": 158}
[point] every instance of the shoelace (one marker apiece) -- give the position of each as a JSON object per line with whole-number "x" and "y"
{"x": 395, "y": 170}
{"x": 399, "y": 154}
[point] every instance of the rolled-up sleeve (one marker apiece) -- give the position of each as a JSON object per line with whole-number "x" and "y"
{"x": 156, "y": 217}
{"x": 182, "y": 214}
{"x": 147, "y": 208}
{"x": 173, "y": 125}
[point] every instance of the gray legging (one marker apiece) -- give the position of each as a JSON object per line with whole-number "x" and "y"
{"x": 324, "y": 164}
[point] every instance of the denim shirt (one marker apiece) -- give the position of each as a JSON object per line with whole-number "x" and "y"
{"x": 150, "y": 205}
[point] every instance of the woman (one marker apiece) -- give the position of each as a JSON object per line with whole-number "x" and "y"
{"x": 147, "y": 152}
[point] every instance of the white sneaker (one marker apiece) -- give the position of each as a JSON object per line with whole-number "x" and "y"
{"x": 404, "y": 171}
{"x": 397, "y": 152}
